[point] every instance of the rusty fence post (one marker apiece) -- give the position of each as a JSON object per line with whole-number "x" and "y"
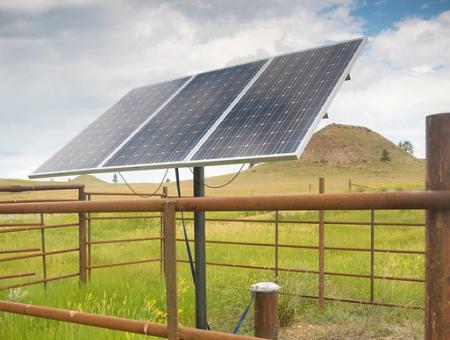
{"x": 372, "y": 254}
{"x": 170, "y": 269}
{"x": 437, "y": 303}
{"x": 266, "y": 309}
{"x": 82, "y": 238}
{"x": 276, "y": 244}
{"x": 161, "y": 233}
{"x": 44, "y": 260}
{"x": 89, "y": 239}
{"x": 321, "y": 248}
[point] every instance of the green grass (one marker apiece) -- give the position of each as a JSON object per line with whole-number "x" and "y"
{"x": 137, "y": 291}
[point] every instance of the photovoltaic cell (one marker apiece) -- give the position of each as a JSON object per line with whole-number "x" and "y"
{"x": 99, "y": 139}
{"x": 276, "y": 113}
{"x": 176, "y": 129}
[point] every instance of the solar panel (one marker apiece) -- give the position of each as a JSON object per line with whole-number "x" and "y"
{"x": 98, "y": 140}
{"x": 175, "y": 130}
{"x": 260, "y": 111}
{"x": 275, "y": 115}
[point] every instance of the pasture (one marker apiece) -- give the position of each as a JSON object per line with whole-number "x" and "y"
{"x": 137, "y": 291}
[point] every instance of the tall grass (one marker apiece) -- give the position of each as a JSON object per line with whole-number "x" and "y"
{"x": 137, "y": 291}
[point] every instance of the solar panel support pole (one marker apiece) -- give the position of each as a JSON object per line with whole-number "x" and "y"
{"x": 200, "y": 252}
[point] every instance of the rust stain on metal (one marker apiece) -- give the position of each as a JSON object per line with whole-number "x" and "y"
{"x": 437, "y": 307}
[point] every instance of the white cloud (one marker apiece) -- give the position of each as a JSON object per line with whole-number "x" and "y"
{"x": 64, "y": 65}
{"x": 403, "y": 76}
{"x": 37, "y": 6}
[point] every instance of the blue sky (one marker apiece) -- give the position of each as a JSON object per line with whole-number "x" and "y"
{"x": 63, "y": 63}
{"x": 383, "y": 14}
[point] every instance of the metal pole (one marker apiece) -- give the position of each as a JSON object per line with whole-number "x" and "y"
{"x": 200, "y": 253}
{"x": 437, "y": 297}
{"x": 44, "y": 261}
{"x": 276, "y": 244}
{"x": 82, "y": 238}
{"x": 171, "y": 270}
{"x": 89, "y": 231}
{"x": 266, "y": 309}
{"x": 321, "y": 248}
{"x": 372, "y": 254}
{"x": 161, "y": 233}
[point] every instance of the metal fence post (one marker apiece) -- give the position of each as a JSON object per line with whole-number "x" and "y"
{"x": 44, "y": 260}
{"x": 170, "y": 265}
{"x": 82, "y": 238}
{"x": 276, "y": 243}
{"x": 89, "y": 239}
{"x": 372, "y": 254}
{"x": 437, "y": 303}
{"x": 266, "y": 309}
{"x": 161, "y": 233}
{"x": 321, "y": 248}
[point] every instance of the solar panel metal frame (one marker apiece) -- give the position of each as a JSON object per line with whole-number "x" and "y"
{"x": 187, "y": 162}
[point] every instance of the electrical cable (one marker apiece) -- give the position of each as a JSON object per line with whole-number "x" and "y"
{"x": 186, "y": 239}
{"x": 222, "y": 185}
{"x": 140, "y": 195}
{"x": 242, "y": 318}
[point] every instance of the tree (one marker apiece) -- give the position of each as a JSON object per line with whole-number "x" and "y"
{"x": 407, "y": 146}
{"x": 167, "y": 180}
{"x": 115, "y": 180}
{"x": 385, "y": 157}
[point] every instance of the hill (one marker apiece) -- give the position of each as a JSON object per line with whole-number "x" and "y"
{"x": 88, "y": 180}
{"x": 337, "y": 152}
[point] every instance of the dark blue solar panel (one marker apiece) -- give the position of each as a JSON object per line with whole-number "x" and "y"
{"x": 175, "y": 130}
{"x": 275, "y": 114}
{"x": 99, "y": 139}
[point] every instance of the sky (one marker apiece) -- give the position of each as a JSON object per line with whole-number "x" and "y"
{"x": 63, "y": 63}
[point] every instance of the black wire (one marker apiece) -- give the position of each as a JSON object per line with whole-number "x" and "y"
{"x": 222, "y": 185}
{"x": 186, "y": 239}
{"x": 145, "y": 196}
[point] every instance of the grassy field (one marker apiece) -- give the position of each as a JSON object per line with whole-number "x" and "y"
{"x": 138, "y": 291}
{"x": 338, "y": 153}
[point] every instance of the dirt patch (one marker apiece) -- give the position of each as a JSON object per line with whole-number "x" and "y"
{"x": 370, "y": 328}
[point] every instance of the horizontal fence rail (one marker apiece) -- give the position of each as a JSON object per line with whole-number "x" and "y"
{"x": 22, "y": 188}
{"x": 413, "y": 200}
{"x": 115, "y": 323}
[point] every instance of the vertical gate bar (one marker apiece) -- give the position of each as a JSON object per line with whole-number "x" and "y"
{"x": 170, "y": 264}
{"x": 88, "y": 196}
{"x": 437, "y": 295}
{"x": 372, "y": 254}
{"x": 276, "y": 244}
{"x": 161, "y": 234}
{"x": 82, "y": 238}
{"x": 200, "y": 253}
{"x": 321, "y": 248}
{"x": 44, "y": 260}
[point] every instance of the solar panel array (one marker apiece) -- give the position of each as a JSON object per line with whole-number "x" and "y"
{"x": 264, "y": 110}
